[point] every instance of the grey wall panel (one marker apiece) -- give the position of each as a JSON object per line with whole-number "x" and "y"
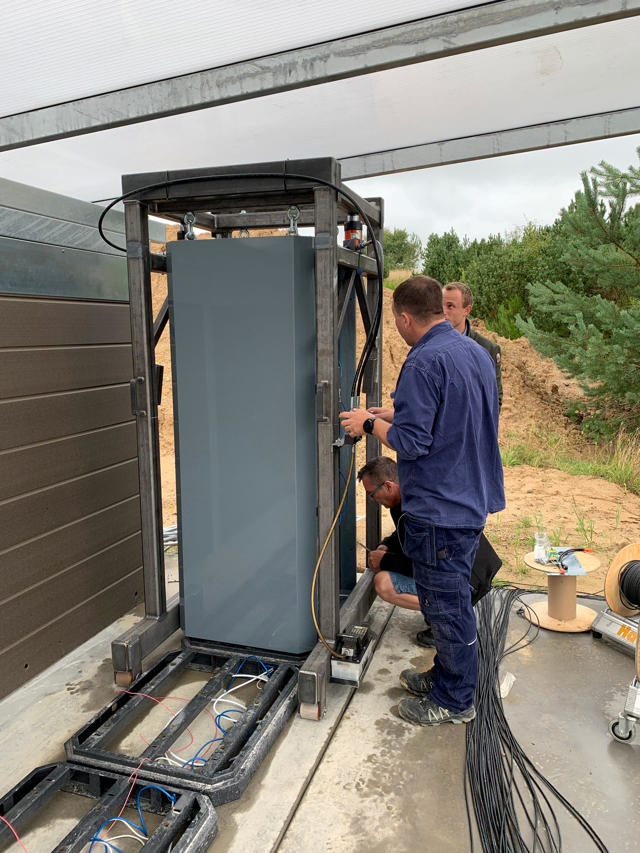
{"x": 243, "y": 320}
{"x": 52, "y": 207}
{"x": 61, "y": 504}
{"x": 36, "y": 371}
{"x": 30, "y": 227}
{"x": 29, "y": 655}
{"x": 28, "y": 563}
{"x": 44, "y": 270}
{"x": 53, "y": 597}
{"x": 26, "y": 322}
{"x": 26, "y": 469}
{"x": 70, "y": 544}
{"x": 32, "y": 419}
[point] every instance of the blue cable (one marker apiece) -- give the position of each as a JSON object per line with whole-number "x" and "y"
{"x": 196, "y": 756}
{"x": 149, "y": 788}
{"x": 224, "y": 714}
{"x": 113, "y": 820}
{"x": 267, "y": 670}
{"x": 124, "y": 820}
{"x": 108, "y": 845}
{"x": 253, "y": 657}
{"x": 250, "y": 657}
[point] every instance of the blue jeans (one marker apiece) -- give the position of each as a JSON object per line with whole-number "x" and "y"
{"x": 442, "y": 560}
{"x": 402, "y": 584}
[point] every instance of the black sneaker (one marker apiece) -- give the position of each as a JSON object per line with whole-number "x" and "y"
{"x": 425, "y": 638}
{"x": 418, "y": 683}
{"x": 425, "y": 712}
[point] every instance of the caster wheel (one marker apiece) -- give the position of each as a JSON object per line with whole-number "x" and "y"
{"x": 616, "y": 734}
{"x": 309, "y": 711}
{"x": 123, "y": 679}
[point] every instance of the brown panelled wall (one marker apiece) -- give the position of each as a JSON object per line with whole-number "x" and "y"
{"x": 70, "y": 550}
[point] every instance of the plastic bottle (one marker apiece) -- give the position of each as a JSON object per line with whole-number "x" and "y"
{"x": 541, "y": 547}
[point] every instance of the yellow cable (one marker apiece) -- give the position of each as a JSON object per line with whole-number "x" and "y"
{"x": 324, "y": 548}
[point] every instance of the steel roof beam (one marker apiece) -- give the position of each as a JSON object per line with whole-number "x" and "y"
{"x": 495, "y": 144}
{"x": 437, "y": 37}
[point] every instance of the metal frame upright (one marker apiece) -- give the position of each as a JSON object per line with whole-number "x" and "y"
{"x": 219, "y": 201}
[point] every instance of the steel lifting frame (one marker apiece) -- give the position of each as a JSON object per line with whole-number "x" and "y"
{"x": 189, "y": 822}
{"x": 265, "y": 193}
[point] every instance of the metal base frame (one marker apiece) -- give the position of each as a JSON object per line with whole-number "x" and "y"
{"x": 229, "y": 768}
{"x": 189, "y": 824}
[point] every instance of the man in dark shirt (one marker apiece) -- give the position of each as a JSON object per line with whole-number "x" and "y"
{"x": 457, "y": 300}
{"x": 444, "y": 429}
{"x": 393, "y": 570}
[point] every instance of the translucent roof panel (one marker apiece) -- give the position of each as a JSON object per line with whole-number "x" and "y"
{"x": 57, "y": 52}
{"x": 551, "y": 78}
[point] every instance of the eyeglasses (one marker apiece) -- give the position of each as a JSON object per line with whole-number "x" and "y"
{"x": 373, "y": 491}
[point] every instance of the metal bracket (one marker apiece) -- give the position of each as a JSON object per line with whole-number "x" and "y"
{"x": 136, "y": 388}
{"x": 294, "y": 214}
{"x": 189, "y": 220}
{"x": 322, "y": 402}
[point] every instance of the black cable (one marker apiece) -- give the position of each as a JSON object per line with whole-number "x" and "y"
{"x": 629, "y": 583}
{"x": 511, "y": 799}
{"x": 373, "y": 331}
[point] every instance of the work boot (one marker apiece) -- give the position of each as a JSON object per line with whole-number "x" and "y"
{"x": 425, "y": 712}
{"x": 418, "y": 683}
{"x": 425, "y": 638}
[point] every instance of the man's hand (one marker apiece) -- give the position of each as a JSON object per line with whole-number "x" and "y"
{"x": 382, "y": 413}
{"x": 352, "y": 421}
{"x": 375, "y": 558}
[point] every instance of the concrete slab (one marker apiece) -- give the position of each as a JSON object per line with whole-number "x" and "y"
{"x": 364, "y": 780}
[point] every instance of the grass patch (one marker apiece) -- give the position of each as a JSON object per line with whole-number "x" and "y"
{"x": 396, "y": 276}
{"x": 618, "y": 461}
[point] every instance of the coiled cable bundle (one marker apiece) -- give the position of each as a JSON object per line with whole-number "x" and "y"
{"x": 511, "y": 799}
{"x": 629, "y": 583}
{"x": 622, "y": 584}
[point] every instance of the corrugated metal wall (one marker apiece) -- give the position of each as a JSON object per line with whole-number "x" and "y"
{"x": 70, "y": 548}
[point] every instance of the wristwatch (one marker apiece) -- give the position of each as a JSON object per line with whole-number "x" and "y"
{"x": 367, "y": 426}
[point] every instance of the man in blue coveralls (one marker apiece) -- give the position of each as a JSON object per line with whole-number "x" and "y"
{"x": 444, "y": 429}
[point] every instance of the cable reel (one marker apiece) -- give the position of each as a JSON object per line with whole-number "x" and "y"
{"x": 622, "y": 585}
{"x": 622, "y": 592}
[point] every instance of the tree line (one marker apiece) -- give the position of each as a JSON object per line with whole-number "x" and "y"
{"x": 572, "y": 288}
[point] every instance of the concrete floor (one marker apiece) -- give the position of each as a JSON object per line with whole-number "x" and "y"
{"x": 362, "y": 779}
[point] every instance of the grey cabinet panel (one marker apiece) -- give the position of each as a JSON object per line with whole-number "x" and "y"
{"x": 243, "y": 321}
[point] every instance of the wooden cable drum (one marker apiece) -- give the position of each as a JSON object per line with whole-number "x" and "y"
{"x": 625, "y": 561}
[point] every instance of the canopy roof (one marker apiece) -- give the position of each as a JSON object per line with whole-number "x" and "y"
{"x": 93, "y": 91}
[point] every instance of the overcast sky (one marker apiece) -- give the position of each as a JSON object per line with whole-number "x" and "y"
{"x": 493, "y": 196}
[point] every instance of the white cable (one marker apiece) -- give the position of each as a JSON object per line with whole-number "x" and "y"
{"x": 141, "y": 839}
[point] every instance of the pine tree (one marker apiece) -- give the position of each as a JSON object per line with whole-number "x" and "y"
{"x": 593, "y": 328}
{"x": 443, "y": 257}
